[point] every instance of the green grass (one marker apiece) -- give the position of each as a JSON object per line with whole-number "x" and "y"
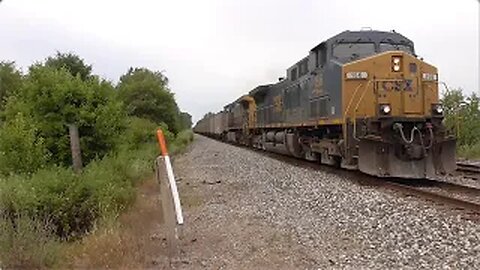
{"x": 183, "y": 139}
{"x": 42, "y": 211}
{"x": 469, "y": 151}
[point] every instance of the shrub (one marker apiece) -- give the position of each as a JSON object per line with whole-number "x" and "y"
{"x": 54, "y": 194}
{"x": 139, "y": 131}
{"x": 184, "y": 137}
{"x": 72, "y": 203}
{"x": 21, "y": 150}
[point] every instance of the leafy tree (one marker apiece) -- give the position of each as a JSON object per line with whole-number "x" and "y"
{"x": 71, "y": 62}
{"x": 55, "y": 98}
{"x": 185, "y": 120}
{"x": 208, "y": 115}
{"x": 10, "y": 81}
{"x": 145, "y": 94}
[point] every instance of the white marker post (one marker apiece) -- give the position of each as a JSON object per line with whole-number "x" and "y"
{"x": 171, "y": 177}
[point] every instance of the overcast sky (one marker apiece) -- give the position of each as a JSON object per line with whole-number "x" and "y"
{"x": 214, "y": 51}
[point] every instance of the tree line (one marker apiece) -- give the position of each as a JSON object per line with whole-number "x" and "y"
{"x": 36, "y": 107}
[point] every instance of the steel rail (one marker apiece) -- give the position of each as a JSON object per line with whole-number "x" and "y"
{"x": 467, "y": 167}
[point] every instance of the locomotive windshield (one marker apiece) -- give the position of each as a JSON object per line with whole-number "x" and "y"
{"x": 395, "y": 47}
{"x": 351, "y": 51}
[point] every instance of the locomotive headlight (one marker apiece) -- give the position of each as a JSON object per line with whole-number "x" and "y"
{"x": 385, "y": 109}
{"x": 356, "y": 75}
{"x": 396, "y": 63}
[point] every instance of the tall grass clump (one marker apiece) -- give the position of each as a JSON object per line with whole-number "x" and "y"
{"x": 183, "y": 139}
{"x": 27, "y": 243}
{"x": 469, "y": 151}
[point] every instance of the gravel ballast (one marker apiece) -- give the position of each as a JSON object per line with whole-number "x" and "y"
{"x": 245, "y": 210}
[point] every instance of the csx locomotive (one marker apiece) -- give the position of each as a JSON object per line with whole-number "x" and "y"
{"x": 360, "y": 100}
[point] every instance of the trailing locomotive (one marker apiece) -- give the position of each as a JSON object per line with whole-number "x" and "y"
{"x": 359, "y": 100}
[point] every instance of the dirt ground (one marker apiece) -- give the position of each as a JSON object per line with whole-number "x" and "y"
{"x": 133, "y": 243}
{"x": 219, "y": 231}
{"x": 214, "y": 235}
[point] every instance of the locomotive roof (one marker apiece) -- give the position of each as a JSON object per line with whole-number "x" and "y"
{"x": 259, "y": 89}
{"x": 367, "y": 36}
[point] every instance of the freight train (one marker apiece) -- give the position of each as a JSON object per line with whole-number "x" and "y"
{"x": 360, "y": 100}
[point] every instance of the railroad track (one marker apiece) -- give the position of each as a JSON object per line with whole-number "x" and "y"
{"x": 469, "y": 170}
{"x": 468, "y": 167}
{"x": 447, "y": 194}
{"x": 460, "y": 196}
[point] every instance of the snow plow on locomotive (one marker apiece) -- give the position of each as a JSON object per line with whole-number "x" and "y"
{"x": 360, "y": 100}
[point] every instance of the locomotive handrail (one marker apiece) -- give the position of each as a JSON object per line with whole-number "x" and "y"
{"x": 355, "y": 111}
{"x": 345, "y": 126}
{"x": 351, "y": 99}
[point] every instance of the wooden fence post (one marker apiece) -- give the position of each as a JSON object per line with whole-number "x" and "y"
{"x": 75, "y": 147}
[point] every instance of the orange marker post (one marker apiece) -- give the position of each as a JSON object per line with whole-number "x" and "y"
{"x": 171, "y": 177}
{"x": 161, "y": 142}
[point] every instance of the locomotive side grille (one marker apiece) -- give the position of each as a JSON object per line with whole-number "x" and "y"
{"x": 313, "y": 108}
{"x": 318, "y": 107}
{"x": 322, "y": 107}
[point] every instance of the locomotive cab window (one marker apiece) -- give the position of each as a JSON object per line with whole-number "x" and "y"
{"x": 320, "y": 55}
{"x": 384, "y": 47}
{"x": 352, "y": 51}
{"x": 303, "y": 67}
{"x": 294, "y": 74}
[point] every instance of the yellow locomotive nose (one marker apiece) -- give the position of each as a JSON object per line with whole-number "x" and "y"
{"x": 394, "y": 116}
{"x": 398, "y": 84}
